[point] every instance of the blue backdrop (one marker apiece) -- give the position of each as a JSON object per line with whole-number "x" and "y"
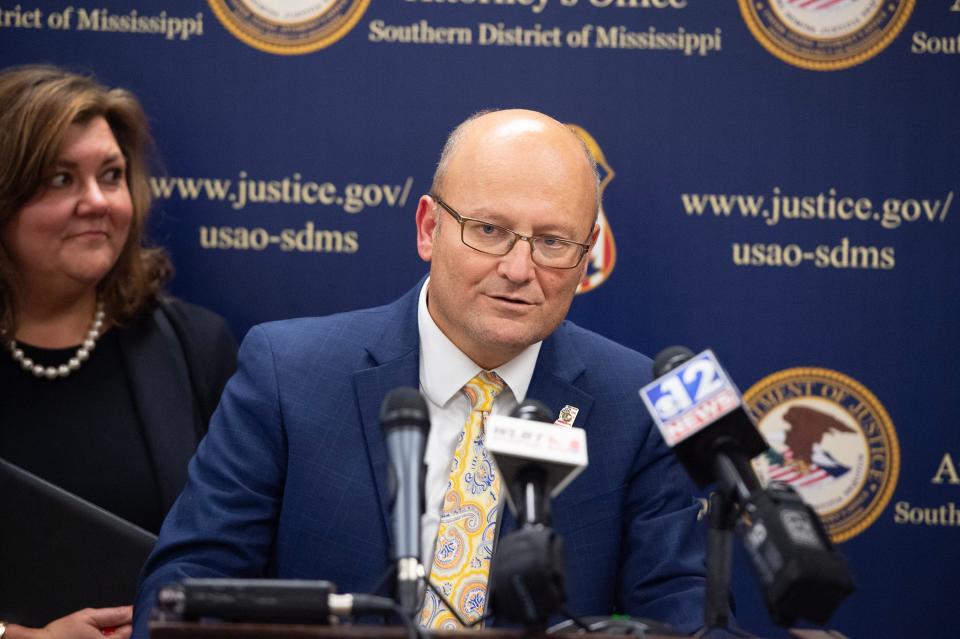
{"x": 780, "y": 185}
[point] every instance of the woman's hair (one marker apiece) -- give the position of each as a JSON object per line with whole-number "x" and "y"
{"x": 38, "y": 104}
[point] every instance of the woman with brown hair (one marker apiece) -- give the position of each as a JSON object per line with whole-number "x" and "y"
{"x": 107, "y": 384}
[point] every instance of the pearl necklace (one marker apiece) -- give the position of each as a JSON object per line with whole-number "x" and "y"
{"x": 82, "y": 354}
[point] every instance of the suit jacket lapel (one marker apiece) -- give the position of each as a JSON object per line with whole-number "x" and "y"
{"x": 395, "y": 361}
{"x": 161, "y": 395}
{"x": 558, "y": 367}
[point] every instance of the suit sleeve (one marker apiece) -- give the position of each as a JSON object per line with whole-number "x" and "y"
{"x": 224, "y": 522}
{"x": 663, "y": 573}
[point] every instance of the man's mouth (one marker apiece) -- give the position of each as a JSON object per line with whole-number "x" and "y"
{"x": 519, "y": 301}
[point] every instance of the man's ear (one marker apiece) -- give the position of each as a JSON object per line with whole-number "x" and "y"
{"x": 426, "y": 227}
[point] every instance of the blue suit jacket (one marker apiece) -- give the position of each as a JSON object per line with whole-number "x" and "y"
{"x": 291, "y": 480}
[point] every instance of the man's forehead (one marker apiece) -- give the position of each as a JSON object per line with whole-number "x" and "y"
{"x": 520, "y": 154}
{"x": 512, "y": 144}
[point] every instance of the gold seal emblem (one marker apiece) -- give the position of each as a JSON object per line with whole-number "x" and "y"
{"x": 603, "y": 256}
{"x": 825, "y": 35}
{"x": 289, "y": 27}
{"x": 832, "y": 440}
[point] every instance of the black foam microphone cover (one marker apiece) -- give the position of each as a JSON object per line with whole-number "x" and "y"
{"x": 527, "y": 580}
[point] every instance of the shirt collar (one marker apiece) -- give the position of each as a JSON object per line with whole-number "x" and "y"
{"x": 445, "y": 369}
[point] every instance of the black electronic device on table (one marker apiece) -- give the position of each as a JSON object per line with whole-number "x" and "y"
{"x": 60, "y": 553}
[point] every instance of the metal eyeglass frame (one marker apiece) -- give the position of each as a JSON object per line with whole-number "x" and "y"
{"x": 461, "y": 219}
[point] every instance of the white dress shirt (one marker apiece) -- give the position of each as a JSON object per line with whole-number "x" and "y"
{"x": 444, "y": 370}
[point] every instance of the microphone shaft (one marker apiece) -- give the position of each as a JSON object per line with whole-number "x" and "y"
{"x": 406, "y": 454}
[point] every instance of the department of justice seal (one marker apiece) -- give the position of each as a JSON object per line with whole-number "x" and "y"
{"x": 603, "y": 255}
{"x": 289, "y": 27}
{"x": 825, "y": 35}
{"x": 832, "y": 440}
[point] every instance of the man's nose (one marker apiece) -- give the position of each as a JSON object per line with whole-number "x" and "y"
{"x": 517, "y": 265}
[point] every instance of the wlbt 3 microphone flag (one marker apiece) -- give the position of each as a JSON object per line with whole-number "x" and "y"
{"x": 536, "y": 460}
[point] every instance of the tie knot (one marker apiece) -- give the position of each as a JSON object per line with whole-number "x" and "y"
{"x": 482, "y": 389}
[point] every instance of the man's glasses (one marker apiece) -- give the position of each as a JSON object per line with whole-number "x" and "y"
{"x": 486, "y": 237}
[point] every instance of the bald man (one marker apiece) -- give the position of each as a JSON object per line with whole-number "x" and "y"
{"x": 292, "y": 479}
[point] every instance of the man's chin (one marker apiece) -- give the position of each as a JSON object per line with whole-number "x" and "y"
{"x": 506, "y": 335}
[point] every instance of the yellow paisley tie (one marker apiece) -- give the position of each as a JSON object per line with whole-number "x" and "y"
{"x": 468, "y": 520}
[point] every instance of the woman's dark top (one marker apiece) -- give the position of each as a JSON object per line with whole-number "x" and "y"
{"x": 112, "y": 432}
{"x": 81, "y": 432}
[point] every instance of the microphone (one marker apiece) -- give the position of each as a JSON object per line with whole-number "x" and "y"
{"x": 406, "y": 422}
{"x": 265, "y": 601}
{"x": 536, "y": 459}
{"x": 701, "y": 416}
{"x": 698, "y": 394}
